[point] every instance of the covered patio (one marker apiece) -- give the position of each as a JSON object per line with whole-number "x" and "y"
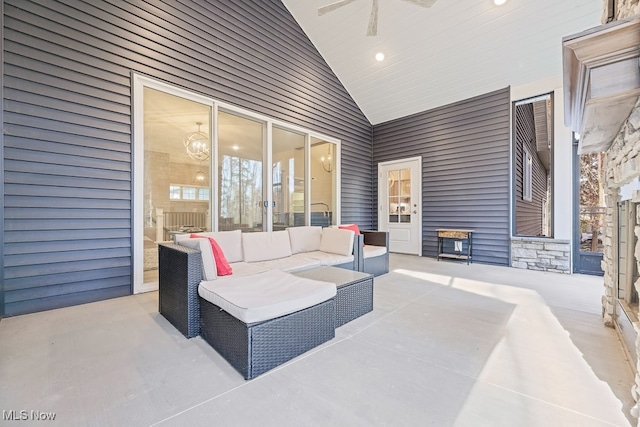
{"x": 446, "y": 344}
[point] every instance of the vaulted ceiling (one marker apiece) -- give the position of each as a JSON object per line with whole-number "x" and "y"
{"x": 434, "y": 56}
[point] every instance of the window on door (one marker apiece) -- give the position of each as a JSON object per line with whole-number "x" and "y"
{"x": 399, "y": 195}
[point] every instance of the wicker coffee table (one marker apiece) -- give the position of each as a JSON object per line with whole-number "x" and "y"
{"x": 355, "y": 290}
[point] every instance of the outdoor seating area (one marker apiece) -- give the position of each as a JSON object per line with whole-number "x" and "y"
{"x": 444, "y": 346}
{"x": 282, "y": 293}
{"x": 320, "y": 213}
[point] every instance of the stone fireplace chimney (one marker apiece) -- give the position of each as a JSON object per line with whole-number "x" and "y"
{"x": 602, "y": 104}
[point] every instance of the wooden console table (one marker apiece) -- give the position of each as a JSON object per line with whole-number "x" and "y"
{"x": 457, "y": 234}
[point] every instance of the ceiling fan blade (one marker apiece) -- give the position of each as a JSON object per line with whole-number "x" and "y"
{"x": 422, "y": 3}
{"x": 372, "y": 30}
{"x": 333, "y": 6}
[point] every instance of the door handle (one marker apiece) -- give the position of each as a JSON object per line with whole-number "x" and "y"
{"x": 415, "y": 211}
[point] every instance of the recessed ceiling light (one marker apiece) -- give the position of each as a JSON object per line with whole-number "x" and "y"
{"x": 235, "y": 148}
{"x": 379, "y": 56}
{"x": 499, "y": 2}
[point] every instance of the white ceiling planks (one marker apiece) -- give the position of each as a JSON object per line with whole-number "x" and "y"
{"x": 452, "y": 51}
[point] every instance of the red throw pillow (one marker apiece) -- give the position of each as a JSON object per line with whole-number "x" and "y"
{"x": 222, "y": 265}
{"x": 352, "y": 227}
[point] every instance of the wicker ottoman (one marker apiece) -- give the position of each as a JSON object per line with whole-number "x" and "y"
{"x": 253, "y": 349}
{"x": 260, "y": 321}
{"x": 355, "y": 290}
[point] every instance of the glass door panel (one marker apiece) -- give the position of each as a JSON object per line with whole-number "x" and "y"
{"x": 394, "y": 193}
{"x": 288, "y": 178}
{"x": 399, "y": 182}
{"x": 241, "y": 204}
{"x": 323, "y": 182}
{"x": 405, "y": 195}
{"x": 177, "y": 147}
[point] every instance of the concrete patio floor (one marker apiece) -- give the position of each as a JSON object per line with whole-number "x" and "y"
{"x": 446, "y": 345}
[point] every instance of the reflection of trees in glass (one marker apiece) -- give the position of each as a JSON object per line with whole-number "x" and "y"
{"x": 592, "y": 206}
{"x": 241, "y": 191}
{"x": 278, "y": 196}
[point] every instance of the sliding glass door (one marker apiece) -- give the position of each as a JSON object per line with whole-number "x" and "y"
{"x": 288, "y": 179}
{"x": 252, "y": 197}
{"x": 202, "y": 165}
{"x": 323, "y": 183}
{"x": 176, "y": 187}
{"x": 241, "y": 204}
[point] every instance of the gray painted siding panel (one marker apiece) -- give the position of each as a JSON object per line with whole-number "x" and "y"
{"x": 465, "y": 176}
{"x": 68, "y": 122}
{"x": 2, "y": 165}
{"x": 528, "y": 218}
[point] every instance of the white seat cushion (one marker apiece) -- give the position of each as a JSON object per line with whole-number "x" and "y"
{"x": 327, "y": 258}
{"x": 266, "y": 295}
{"x": 370, "y": 251}
{"x": 292, "y": 263}
{"x": 247, "y": 269}
{"x": 305, "y": 239}
{"x": 337, "y": 241}
{"x": 263, "y": 246}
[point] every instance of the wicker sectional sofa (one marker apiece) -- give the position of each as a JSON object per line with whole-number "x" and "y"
{"x": 375, "y": 252}
{"x": 261, "y": 315}
{"x": 374, "y": 256}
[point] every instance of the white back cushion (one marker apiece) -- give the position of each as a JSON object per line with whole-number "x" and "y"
{"x": 263, "y": 246}
{"x": 208, "y": 262}
{"x": 337, "y": 241}
{"x": 230, "y": 242}
{"x": 178, "y": 238}
{"x": 305, "y": 239}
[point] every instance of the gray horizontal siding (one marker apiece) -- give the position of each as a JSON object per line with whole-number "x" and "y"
{"x": 465, "y": 176}
{"x": 528, "y": 214}
{"x": 2, "y": 213}
{"x": 67, "y": 121}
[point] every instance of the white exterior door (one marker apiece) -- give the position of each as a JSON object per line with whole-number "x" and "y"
{"x": 399, "y": 204}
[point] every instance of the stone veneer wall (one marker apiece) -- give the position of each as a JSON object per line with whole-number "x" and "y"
{"x": 624, "y": 9}
{"x": 544, "y": 254}
{"x": 622, "y": 165}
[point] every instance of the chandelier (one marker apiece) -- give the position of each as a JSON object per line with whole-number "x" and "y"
{"x": 327, "y": 163}
{"x": 199, "y": 176}
{"x": 197, "y": 144}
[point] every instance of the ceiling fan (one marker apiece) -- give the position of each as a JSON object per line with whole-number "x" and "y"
{"x": 372, "y": 30}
